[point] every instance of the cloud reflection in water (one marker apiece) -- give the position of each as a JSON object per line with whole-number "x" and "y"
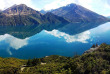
{"x": 82, "y": 37}
{"x": 13, "y": 42}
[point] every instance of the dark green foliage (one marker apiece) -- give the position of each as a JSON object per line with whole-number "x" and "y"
{"x": 92, "y": 63}
{"x": 94, "y": 46}
{"x": 10, "y": 70}
{"x": 97, "y": 62}
{"x": 10, "y": 65}
{"x": 29, "y": 63}
{"x": 33, "y": 62}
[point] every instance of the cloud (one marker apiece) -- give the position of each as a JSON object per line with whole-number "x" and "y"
{"x": 8, "y": 50}
{"x": 14, "y": 42}
{"x": 82, "y": 37}
{"x": 99, "y": 6}
{"x": 85, "y": 3}
{"x": 8, "y": 3}
{"x": 59, "y": 3}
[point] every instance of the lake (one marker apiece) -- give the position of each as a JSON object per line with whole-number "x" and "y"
{"x": 37, "y": 41}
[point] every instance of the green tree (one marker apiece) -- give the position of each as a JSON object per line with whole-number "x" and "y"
{"x": 96, "y": 45}
{"x": 29, "y": 62}
{"x": 93, "y": 46}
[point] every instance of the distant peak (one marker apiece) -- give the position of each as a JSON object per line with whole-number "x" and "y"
{"x": 14, "y": 5}
{"x": 72, "y": 4}
{"x": 0, "y": 10}
{"x": 22, "y": 5}
{"x": 20, "y": 9}
{"x": 49, "y": 13}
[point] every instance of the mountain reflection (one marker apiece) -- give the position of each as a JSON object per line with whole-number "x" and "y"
{"x": 76, "y": 28}
{"x": 17, "y": 40}
{"x": 23, "y": 32}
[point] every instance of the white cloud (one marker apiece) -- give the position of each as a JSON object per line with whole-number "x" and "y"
{"x": 14, "y": 42}
{"x": 8, "y": 3}
{"x": 58, "y": 3}
{"x": 106, "y": 7}
{"x": 82, "y": 37}
{"x": 99, "y": 6}
{"x": 85, "y": 3}
{"x": 8, "y": 50}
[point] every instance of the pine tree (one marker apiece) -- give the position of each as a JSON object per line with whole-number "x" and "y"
{"x": 93, "y": 46}
{"x": 96, "y": 45}
{"x": 29, "y": 63}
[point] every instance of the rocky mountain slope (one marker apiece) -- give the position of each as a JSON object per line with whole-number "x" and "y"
{"x": 21, "y": 9}
{"x": 77, "y": 13}
{"x": 108, "y": 16}
{"x": 24, "y": 15}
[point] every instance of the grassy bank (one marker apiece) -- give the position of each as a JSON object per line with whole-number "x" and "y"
{"x": 96, "y": 62}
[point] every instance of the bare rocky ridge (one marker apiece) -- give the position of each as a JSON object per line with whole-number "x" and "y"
{"x": 21, "y": 9}
{"x": 77, "y": 13}
{"x": 0, "y": 10}
{"x": 91, "y": 50}
{"x": 24, "y": 15}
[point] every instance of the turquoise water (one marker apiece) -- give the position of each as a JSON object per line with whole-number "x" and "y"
{"x": 67, "y": 40}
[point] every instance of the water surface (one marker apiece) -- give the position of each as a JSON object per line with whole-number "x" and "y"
{"x": 26, "y": 42}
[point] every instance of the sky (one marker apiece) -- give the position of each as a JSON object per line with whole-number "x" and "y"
{"x": 101, "y": 7}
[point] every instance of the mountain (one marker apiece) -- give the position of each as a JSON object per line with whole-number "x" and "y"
{"x": 26, "y": 31}
{"x": 77, "y": 28}
{"x": 21, "y": 9}
{"x": 108, "y": 17}
{"x": 24, "y": 15}
{"x": 54, "y": 18}
{"x": 0, "y": 10}
{"x": 77, "y": 13}
{"x": 43, "y": 11}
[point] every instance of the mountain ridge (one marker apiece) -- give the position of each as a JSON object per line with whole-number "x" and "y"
{"x": 24, "y": 15}
{"x": 21, "y": 9}
{"x": 77, "y": 13}
{"x": 108, "y": 17}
